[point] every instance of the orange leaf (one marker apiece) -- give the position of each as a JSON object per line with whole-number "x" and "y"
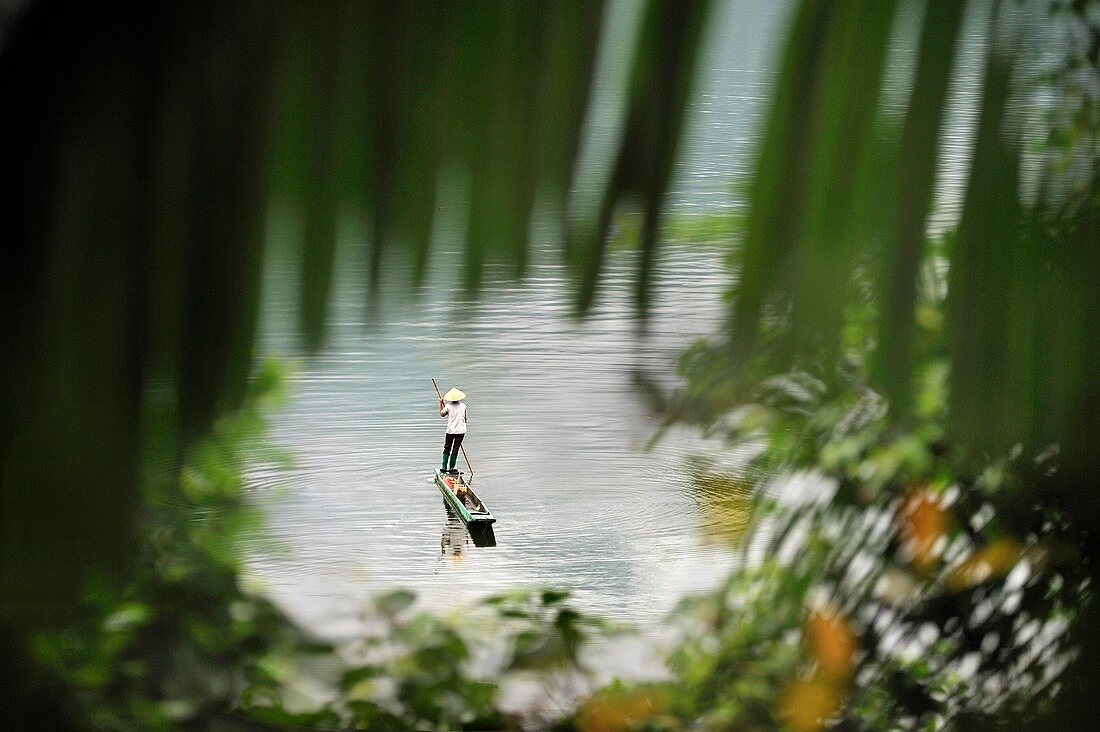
{"x": 806, "y": 705}
{"x": 831, "y": 643}
{"x": 923, "y": 522}
{"x": 992, "y": 560}
{"x": 613, "y": 712}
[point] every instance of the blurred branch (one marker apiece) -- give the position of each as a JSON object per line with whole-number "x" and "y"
{"x": 664, "y": 67}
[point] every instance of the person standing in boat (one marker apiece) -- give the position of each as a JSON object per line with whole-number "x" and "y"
{"x": 453, "y": 408}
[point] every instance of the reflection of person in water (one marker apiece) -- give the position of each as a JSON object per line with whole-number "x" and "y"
{"x": 453, "y": 542}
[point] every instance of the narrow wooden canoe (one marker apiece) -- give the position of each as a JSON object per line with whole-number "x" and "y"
{"x": 473, "y": 509}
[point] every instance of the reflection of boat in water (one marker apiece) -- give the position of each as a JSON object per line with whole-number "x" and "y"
{"x": 469, "y": 507}
{"x": 457, "y": 532}
{"x": 465, "y": 510}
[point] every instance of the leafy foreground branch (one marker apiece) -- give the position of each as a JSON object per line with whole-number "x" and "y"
{"x": 183, "y": 644}
{"x": 883, "y": 587}
{"x": 877, "y": 589}
{"x": 894, "y": 577}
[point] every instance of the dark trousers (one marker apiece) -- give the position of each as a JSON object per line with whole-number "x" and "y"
{"x": 452, "y": 443}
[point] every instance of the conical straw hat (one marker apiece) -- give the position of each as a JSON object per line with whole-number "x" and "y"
{"x": 454, "y": 395}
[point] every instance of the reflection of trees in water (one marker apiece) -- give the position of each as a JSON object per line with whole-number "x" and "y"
{"x": 724, "y": 502}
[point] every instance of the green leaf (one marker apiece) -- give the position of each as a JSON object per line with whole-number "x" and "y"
{"x": 393, "y": 603}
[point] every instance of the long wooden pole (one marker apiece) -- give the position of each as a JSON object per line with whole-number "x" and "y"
{"x": 460, "y": 447}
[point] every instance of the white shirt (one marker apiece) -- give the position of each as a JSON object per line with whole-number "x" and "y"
{"x": 455, "y": 412}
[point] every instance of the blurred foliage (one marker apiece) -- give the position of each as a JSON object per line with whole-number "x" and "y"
{"x": 881, "y": 583}
{"x": 840, "y": 205}
{"x": 944, "y": 577}
{"x": 151, "y": 139}
{"x": 663, "y": 70}
{"x": 181, "y": 638}
{"x": 184, "y": 644}
{"x": 927, "y": 484}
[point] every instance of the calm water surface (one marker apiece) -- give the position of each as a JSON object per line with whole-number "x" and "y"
{"x": 557, "y": 430}
{"x": 557, "y": 438}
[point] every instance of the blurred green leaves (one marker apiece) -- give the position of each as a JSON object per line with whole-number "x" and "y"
{"x": 180, "y": 641}
{"x": 151, "y": 139}
{"x": 183, "y": 645}
{"x": 914, "y": 188}
{"x": 838, "y": 220}
{"x": 664, "y": 68}
{"x": 377, "y": 101}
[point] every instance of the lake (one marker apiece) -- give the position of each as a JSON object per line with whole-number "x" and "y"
{"x": 558, "y": 429}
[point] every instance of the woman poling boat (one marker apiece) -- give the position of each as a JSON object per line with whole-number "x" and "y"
{"x": 455, "y": 488}
{"x": 454, "y": 410}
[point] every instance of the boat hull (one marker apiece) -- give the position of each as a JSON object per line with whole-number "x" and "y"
{"x": 447, "y": 484}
